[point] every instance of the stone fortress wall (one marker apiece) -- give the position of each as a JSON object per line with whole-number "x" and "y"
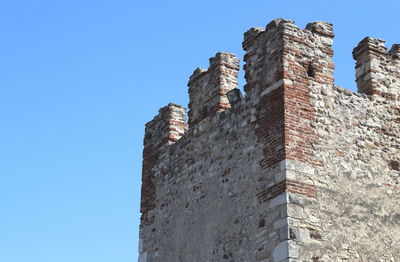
{"x": 296, "y": 170}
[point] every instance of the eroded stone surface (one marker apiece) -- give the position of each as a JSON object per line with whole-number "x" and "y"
{"x": 298, "y": 170}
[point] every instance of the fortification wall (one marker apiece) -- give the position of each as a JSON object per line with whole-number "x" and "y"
{"x": 298, "y": 170}
{"x": 355, "y": 216}
{"x": 204, "y": 189}
{"x": 205, "y": 193}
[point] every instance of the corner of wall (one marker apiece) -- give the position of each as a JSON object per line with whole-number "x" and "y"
{"x": 165, "y": 129}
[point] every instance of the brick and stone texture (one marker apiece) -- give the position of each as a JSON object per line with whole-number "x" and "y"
{"x": 298, "y": 170}
{"x": 208, "y": 87}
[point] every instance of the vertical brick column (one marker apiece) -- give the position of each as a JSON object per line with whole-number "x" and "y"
{"x": 264, "y": 81}
{"x": 208, "y": 87}
{"x": 165, "y": 129}
{"x": 377, "y": 70}
{"x": 307, "y": 59}
{"x": 283, "y": 63}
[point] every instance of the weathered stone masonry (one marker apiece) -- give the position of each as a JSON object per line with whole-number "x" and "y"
{"x": 297, "y": 170}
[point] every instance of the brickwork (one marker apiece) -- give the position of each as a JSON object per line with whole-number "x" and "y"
{"x": 163, "y": 130}
{"x": 286, "y": 186}
{"x": 297, "y": 170}
{"x": 208, "y": 88}
{"x": 377, "y": 70}
{"x": 303, "y": 58}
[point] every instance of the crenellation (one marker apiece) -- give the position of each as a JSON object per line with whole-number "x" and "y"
{"x": 208, "y": 88}
{"x": 369, "y": 46}
{"x": 278, "y": 22}
{"x": 196, "y": 74}
{"x": 321, "y": 28}
{"x": 297, "y": 170}
{"x": 377, "y": 70}
{"x": 165, "y": 129}
{"x": 262, "y": 49}
{"x": 249, "y": 36}
{"x": 395, "y": 51}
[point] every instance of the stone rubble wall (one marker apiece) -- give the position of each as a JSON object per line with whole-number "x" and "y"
{"x": 356, "y": 213}
{"x": 298, "y": 170}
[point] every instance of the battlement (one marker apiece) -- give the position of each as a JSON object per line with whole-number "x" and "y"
{"x": 321, "y": 28}
{"x": 285, "y": 173}
{"x": 208, "y": 87}
{"x": 165, "y": 129}
{"x": 377, "y": 70}
{"x": 283, "y": 54}
{"x": 307, "y": 52}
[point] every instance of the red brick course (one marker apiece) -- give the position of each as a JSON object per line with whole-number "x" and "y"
{"x": 286, "y": 186}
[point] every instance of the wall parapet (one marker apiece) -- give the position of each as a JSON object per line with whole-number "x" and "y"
{"x": 208, "y": 87}
{"x": 377, "y": 69}
{"x": 265, "y": 177}
{"x": 165, "y": 129}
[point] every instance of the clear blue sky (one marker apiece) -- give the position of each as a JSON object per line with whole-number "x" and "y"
{"x": 78, "y": 81}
